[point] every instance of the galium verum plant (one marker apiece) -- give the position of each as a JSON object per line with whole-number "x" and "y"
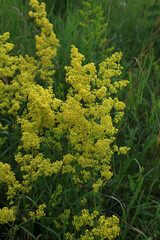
{"x": 65, "y": 141}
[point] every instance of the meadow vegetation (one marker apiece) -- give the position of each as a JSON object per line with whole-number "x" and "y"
{"x": 79, "y": 119}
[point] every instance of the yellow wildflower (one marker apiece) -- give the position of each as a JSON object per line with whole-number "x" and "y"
{"x": 7, "y": 215}
{"x": 46, "y": 43}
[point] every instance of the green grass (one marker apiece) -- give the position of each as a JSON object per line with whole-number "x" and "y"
{"x": 133, "y": 192}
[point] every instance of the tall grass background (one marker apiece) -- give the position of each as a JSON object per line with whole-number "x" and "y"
{"x": 132, "y": 27}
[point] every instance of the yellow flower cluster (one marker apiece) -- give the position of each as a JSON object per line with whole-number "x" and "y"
{"x": 39, "y": 212}
{"x": 35, "y": 167}
{"x": 7, "y": 215}
{"x": 85, "y": 219}
{"x": 85, "y": 118}
{"x": 7, "y": 177}
{"x": 107, "y": 228}
{"x": 99, "y": 183}
{"x": 8, "y": 67}
{"x": 8, "y": 64}
{"x": 17, "y": 91}
{"x": 41, "y": 108}
{"x": 83, "y": 201}
{"x": 46, "y": 43}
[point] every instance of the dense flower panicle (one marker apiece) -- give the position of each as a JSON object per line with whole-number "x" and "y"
{"x": 46, "y": 43}
{"x": 35, "y": 167}
{"x": 8, "y": 67}
{"x": 39, "y": 212}
{"x": 107, "y": 227}
{"x": 86, "y": 119}
{"x": 13, "y": 95}
{"x": 7, "y": 177}
{"x": 76, "y": 71}
{"x": 7, "y": 215}
{"x": 28, "y": 68}
{"x": 42, "y": 107}
{"x": 85, "y": 219}
{"x": 8, "y": 64}
{"x": 30, "y": 137}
